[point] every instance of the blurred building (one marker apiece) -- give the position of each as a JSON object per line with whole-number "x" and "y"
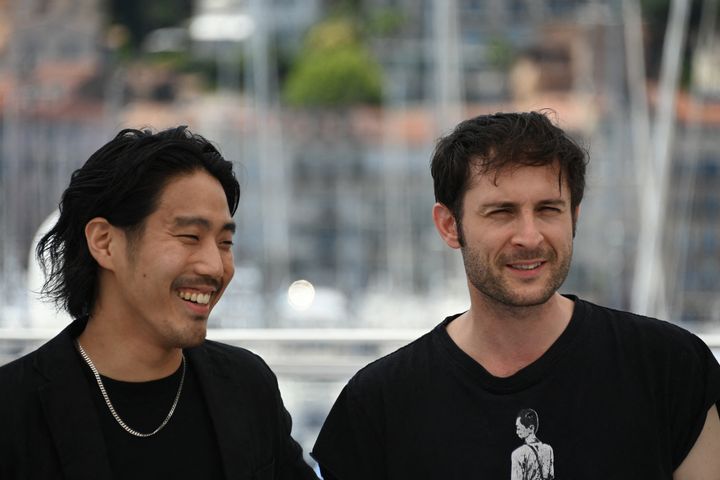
{"x": 692, "y": 233}
{"x": 342, "y": 196}
{"x": 216, "y": 22}
{"x": 52, "y": 102}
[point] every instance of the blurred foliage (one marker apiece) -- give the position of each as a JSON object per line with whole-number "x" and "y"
{"x": 369, "y": 20}
{"x": 331, "y": 35}
{"x": 501, "y": 53}
{"x": 206, "y": 69}
{"x": 334, "y": 68}
{"x": 384, "y": 22}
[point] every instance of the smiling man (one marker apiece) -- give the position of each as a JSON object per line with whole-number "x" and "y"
{"x": 621, "y": 396}
{"x": 140, "y": 255}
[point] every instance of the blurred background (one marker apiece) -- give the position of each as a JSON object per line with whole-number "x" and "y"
{"x": 330, "y": 111}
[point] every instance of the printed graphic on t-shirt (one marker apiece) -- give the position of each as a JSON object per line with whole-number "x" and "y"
{"x": 533, "y": 460}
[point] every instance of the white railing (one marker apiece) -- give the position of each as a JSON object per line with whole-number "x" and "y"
{"x": 282, "y": 335}
{"x": 331, "y": 354}
{"x": 288, "y": 335}
{"x": 328, "y": 354}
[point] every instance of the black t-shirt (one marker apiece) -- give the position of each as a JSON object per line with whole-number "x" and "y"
{"x": 185, "y": 448}
{"x": 617, "y": 396}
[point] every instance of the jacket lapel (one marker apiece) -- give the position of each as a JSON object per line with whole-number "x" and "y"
{"x": 70, "y": 413}
{"x": 229, "y": 411}
{"x": 67, "y": 405}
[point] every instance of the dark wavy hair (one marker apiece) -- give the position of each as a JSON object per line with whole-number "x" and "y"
{"x": 493, "y": 143}
{"x": 121, "y": 182}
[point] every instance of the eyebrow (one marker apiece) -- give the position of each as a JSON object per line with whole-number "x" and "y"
{"x": 202, "y": 222}
{"x": 491, "y": 205}
{"x": 554, "y": 202}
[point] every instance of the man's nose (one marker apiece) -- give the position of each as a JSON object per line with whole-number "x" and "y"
{"x": 527, "y": 233}
{"x": 209, "y": 261}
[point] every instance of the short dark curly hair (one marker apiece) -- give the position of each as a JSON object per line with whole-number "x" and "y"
{"x": 121, "y": 182}
{"x": 492, "y": 143}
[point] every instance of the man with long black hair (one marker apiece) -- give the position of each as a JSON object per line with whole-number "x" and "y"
{"x": 621, "y": 396}
{"x": 140, "y": 255}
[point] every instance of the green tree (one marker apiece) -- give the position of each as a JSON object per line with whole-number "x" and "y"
{"x": 333, "y": 69}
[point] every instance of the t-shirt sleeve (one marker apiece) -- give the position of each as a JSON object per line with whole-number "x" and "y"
{"x": 349, "y": 445}
{"x": 698, "y": 375}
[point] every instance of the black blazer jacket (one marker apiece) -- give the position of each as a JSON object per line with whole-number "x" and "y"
{"x": 49, "y": 427}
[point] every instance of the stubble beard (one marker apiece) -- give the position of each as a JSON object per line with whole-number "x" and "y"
{"x": 185, "y": 335}
{"x": 188, "y": 339}
{"x": 489, "y": 280}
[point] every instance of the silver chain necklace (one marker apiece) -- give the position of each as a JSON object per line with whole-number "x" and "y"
{"x": 110, "y": 405}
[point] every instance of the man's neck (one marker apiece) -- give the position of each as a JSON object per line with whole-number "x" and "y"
{"x": 124, "y": 357}
{"x": 506, "y": 339}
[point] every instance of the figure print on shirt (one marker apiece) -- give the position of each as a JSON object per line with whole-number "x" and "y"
{"x": 533, "y": 460}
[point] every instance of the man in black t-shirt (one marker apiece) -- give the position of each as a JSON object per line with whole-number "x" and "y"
{"x": 621, "y": 396}
{"x": 141, "y": 253}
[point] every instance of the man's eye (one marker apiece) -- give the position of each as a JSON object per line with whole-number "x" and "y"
{"x": 189, "y": 237}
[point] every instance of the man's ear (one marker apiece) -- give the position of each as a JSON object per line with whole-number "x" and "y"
{"x": 101, "y": 239}
{"x": 446, "y": 225}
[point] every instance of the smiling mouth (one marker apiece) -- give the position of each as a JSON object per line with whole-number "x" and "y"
{"x": 195, "y": 297}
{"x": 525, "y": 266}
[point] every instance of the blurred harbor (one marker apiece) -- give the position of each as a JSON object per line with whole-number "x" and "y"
{"x": 330, "y": 111}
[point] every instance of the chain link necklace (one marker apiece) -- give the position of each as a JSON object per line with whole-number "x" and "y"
{"x": 109, "y": 404}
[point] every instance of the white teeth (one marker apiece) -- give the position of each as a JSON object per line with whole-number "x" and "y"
{"x": 531, "y": 266}
{"x": 201, "y": 298}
